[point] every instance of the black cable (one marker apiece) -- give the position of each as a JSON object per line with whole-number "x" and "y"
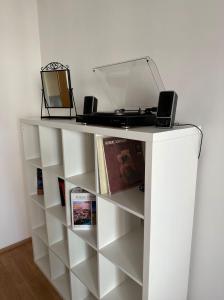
{"x": 199, "y": 129}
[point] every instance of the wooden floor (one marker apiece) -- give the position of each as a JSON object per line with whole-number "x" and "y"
{"x": 20, "y": 279}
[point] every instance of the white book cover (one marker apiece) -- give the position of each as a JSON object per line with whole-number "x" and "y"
{"x": 83, "y": 209}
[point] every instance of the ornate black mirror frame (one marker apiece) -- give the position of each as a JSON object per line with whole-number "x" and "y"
{"x": 57, "y": 67}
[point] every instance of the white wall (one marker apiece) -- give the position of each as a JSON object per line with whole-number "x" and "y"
{"x": 19, "y": 97}
{"x": 185, "y": 37}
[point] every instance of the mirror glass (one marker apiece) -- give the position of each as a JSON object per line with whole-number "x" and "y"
{"x": 56, "y": 89}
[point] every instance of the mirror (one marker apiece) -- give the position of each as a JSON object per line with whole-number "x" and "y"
{"x": 56, "y": 88}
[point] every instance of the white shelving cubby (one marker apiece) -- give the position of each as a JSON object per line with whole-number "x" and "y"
{"x": 51, "y": 146}
{"x": 118, "y": 241}
{"x": 88, "y": 235}
{"x": 87, "y": 273}
{"x": 60, "y": 276}
{"x": 79, "y": 163}
{"x": 131, "y": 200}
{"x": 127, "y": 290}
{"x": 41, "y": 256}
{"x": 114, "y": 284}
{"x": 58, "y": 241}
{"x": 31, "y": 144}
{"x": 38, "y": 199}
{"x": 38, "y": 222}
{"x": 79, "y": 290}
{"x": 52, "y": 196}
{"x": 140, "y": 247}
{"x": 83, "y": 259}
{"x": 31, "y": 172}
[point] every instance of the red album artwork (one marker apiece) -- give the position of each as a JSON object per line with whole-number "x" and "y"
{"x": 61, "y": 184}
{"x": 125, "y": 163}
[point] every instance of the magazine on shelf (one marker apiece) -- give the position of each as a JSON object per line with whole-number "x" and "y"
{"x": 61, "y": 185}
{"x": 40, "y": 186}
{"x": 125, "y": 166}
{"x": 83, "y": 209}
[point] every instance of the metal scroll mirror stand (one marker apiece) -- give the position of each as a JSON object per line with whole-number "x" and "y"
{"x": 57, "y": 92}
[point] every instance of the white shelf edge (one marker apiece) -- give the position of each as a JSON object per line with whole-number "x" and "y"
{"x": 146, "y": 133}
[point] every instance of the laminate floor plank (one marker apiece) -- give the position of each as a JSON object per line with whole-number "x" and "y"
{"x": 7, "y": 290}
{"x": 20, "y": 278}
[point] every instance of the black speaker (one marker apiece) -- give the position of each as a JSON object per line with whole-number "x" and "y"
{"x": 90, "y": 105}
{"x": 166, "y": 109}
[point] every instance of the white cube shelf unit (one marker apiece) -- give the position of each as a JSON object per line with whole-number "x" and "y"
{"x": 141, "y": 245}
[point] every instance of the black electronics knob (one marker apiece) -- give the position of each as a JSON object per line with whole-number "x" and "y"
{"x": 119, "y": 112}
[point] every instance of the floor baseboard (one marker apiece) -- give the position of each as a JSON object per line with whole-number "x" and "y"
{"x": 13, "y": 246}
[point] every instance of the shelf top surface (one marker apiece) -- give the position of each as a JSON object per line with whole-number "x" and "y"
{"x": 147, "y": 133}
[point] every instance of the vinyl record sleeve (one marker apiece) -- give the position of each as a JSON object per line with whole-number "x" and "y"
{"x": 124, "y": 162}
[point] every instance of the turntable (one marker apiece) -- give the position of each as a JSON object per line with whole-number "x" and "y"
{"x": 121, "y": 118}
{"x": 130, "y": 84}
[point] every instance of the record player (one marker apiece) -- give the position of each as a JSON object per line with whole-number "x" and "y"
{"x": 134, "y": 85}
{"x": 120, "y": 118}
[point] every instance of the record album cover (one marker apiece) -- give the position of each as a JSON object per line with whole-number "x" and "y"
{"x": 124, "y": 162}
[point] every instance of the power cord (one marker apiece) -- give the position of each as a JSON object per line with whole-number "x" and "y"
{"x": 141, "y": 187}
{"x": 199, "y": 129}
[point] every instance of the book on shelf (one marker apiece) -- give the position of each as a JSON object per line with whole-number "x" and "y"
{"x": 102, "y": 171}
{"x": 61, "y": 185}
{"x": 40, "y": 186}
{"x": 83, "y": 209}
{"x": 120, "y": 164}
